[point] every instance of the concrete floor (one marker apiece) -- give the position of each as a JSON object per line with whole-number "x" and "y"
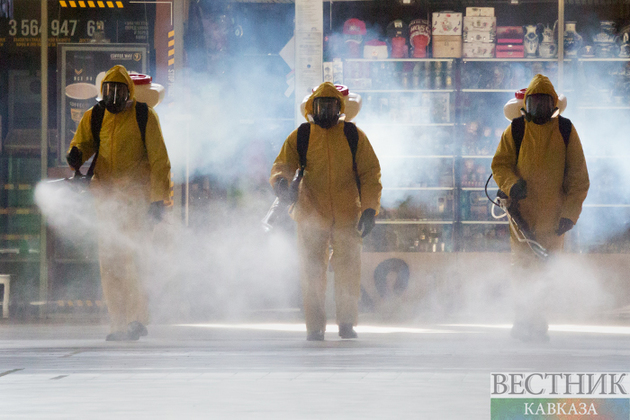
{"x": 269, "y": 371}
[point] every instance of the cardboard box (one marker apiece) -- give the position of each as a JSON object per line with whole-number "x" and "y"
{"x": 479, "y": 36}
{"x": 510, "y": 51}
{"x": 509, "y": 34}
{"x": 378, "y": 52}
{"x": 445, "y": 46}
{"x": 446, "y": 23}
{"x": 480, "y": 23}
{"x": 478, "y": 50}
{"x": 480, "y": 11}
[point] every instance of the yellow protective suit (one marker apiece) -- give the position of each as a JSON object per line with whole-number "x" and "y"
{"x": 327, "y": 212}
{"x": 557, "y": 184}
{"x": 128, "y": 176}
{"x": 556, "y": 174}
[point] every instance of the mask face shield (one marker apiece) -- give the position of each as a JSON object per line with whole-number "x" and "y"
{"x": 115, "y": 96}
{"x": 539, "y": 108}
{"x": 326, "y": 111}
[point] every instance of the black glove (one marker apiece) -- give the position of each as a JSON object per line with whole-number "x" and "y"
{"x": 519, "y": 190}
{"x": 281, "y": 188}
{"x": 367, "y": 222}
{"x": 156, "y": 211}
{"x": 75, "y": 158}
{"x": 565, "y": 226}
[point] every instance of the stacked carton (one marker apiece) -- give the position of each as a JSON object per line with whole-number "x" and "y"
{"x": 447, "y": 35}
{"x": 480, "y": 31}
{"x": 510, "y": 42}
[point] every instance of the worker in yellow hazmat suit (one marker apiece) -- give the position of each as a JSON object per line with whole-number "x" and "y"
{"x": 331, "y": 206}
{"x": 131, "y": 186}
{"x": 550, "y": 180}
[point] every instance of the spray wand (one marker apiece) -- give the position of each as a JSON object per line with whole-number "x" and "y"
{"x": 518, "y": 225}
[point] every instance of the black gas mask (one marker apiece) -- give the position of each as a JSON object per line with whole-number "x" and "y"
{"x": 539, "y": 108}
{"x": 326, "y": 111}
{"x": 115, "y": 96}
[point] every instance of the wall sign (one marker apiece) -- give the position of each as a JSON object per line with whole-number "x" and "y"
{"x": 79, "y": 66}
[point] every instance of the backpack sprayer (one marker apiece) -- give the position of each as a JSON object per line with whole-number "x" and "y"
{"x": 78, "y": 182}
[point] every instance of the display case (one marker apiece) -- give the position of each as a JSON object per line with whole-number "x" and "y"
{"x": 408, "y": 115}
{"x": 601, "y": 115}
{"x": 435, "y": 125}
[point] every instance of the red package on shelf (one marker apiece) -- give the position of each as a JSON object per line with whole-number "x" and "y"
{"x": 510, "y": 51}
{"x": 509, "y": 34}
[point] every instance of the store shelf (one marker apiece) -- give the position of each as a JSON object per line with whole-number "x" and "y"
{"x": 404, "y": 90}
{"x": 484, "y": 222}
{"x": 418, "y": 189}
{"x": 408, "y": 125}
{"x": 491, "y": 90}
{"x": 418, "y": 157}
{"x": 394, "y": 60}
{"x": 18, "y": 186}
{"x": 76, "y": 260}
{"x": 603, "y": 59}
{"x": 16, "y": 237}
{"x": 414, "y": 222}
{"x": 465, "y": 60}
{"x": 19, "y": 210}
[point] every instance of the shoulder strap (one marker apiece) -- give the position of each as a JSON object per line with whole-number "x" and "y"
{"x": 352, "y": 135}
{"x": 96, "y": 122}
{"x": 518, "y": 131}
{"x": 565, "y": 128}
{"x": 303, "y": 134}
{"x": 142, "y": 116}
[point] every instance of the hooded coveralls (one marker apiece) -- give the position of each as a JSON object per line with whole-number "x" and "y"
{"x": 128, "y": 176}
{"x": 327, "y": 211}
{"x": 556, "y": 176}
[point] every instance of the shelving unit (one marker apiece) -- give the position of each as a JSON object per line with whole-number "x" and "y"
{"x": 418, "y": 174}
{"x": 468, "y": 119}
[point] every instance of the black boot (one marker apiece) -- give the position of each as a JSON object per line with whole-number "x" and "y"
{"x": 137, "y": 330}
{"x": 317, "y": 335}
{"x": 347, "y": 331}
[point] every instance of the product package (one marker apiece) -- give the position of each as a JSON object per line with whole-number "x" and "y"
{"x": 479, "y": 36}
{"x": 510, "y": 34}
{"x": 480, "y": 24}
{"x": 447, "y": 23}
{"x": 445, "y": 46}
{"x": 478, "y": 50}
{"x": 510, "y": 51}
{"x": 480, "y": 11}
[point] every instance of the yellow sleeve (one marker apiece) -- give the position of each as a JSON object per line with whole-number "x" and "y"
{"x": 83, "y": 139}
{"x": 504, "y": 162}
{"x": 576, "y": 182}
{"x": 158, "y": 160}
{"x": 287, "y": 162}
{"x": 369, "y": 171}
